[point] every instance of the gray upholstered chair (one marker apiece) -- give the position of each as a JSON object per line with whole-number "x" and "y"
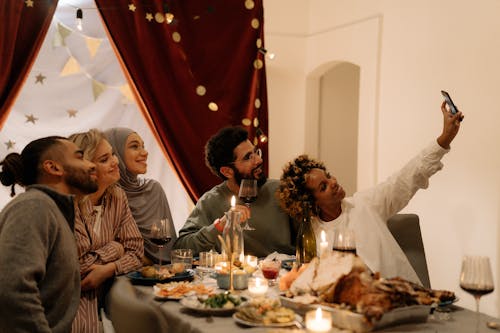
{"x": 406, "y": 229}
{"x": 131, "y": 314}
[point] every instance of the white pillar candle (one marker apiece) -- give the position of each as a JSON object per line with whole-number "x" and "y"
{"x": 257, "y": 286}
{"x": 318, "y": 321}
{"x": 323, "y": 245}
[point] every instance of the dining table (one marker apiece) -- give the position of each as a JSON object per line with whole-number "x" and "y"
{"x": 447, "y": 319}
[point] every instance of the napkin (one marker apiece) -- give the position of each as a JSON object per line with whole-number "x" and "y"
{"x": 281, "y": 256}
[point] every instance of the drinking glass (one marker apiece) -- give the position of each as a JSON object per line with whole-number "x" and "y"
{"x": 182, "y": 257}
{"x": 248, "y": 194}
{"x": 344, "y": 240}
{"x": 160, "y": 236}
{"x": 270, "y": 269}
{"x": 476, "y": 279}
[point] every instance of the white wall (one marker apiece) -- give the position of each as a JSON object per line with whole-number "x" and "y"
{"x": 407, "y": 51}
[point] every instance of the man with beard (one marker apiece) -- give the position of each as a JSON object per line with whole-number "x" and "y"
{"x": 40, "y": 275}
{"x": 231, "y": 156}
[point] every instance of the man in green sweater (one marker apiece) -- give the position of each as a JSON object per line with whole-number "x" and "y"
{"x": 39, "y": 269}
{"x": 232, "y": 157}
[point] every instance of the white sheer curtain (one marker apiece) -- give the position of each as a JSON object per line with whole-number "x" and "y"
{"x": 76, "y": 84}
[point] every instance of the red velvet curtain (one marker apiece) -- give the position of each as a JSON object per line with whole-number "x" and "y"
{"x": 22, "y": 31}
{"x": 202, "y": 71}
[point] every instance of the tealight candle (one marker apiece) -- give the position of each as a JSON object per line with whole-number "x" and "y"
{"x": 318, "y": 321}
{"x": 323, "y": 245}
{"x": 257, "y": 286}
{"x": 222, "y": 266}
{"x": 251, "y": 261}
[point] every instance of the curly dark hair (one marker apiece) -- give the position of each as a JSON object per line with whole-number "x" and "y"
{"x": 23, "y": 169}
{"x": 219, "y": 150}
{"x": 294, "y": 197}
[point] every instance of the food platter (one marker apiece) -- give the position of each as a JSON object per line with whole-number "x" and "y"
{"x": 137, "y": 278}
{"x": 357, "y": 323}
{"x": 193, "y": 304}
{"x": 178, "y": 290}
{"x": 244, "y": 322}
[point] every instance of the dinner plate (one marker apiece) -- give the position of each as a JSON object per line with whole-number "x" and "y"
{"x": 193, "y": 304}
{"x": 260, "y": 324}
{"x": 137, "y": 278}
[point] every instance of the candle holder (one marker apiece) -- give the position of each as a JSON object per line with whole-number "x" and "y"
{"x": 257, "y": 286}
{"x": 318, "y": 321}
{"x": 233, "y": 240}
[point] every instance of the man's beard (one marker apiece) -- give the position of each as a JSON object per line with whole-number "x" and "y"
{"x": 80, "y": 179}
{"x": 238, "y": 176}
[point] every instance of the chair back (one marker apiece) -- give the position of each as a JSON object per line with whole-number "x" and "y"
{"x": 406, "y": 230}
{"x": 131, "y": 314}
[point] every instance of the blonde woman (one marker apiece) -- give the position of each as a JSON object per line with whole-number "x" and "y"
{"x": 108, "y": 240}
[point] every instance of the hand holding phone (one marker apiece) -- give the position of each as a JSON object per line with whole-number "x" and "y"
{"x": 451, "y": 105}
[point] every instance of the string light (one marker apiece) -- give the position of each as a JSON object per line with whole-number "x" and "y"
{"x": 260, "y": 134}
{"x": 269, "y": 55}
{"x": 79, "y": 18}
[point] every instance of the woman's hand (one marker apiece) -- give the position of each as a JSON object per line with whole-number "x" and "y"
{"x": 451, "y": 126}
{"x": 97, "y": 275}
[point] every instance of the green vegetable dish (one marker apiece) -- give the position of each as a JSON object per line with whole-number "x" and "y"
{"x": 223, "y": 301}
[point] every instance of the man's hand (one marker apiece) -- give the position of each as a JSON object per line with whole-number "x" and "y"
{"x": 97, "y": 275}
{"x": 451, "y": 126}
{"x": 244, "y": 214}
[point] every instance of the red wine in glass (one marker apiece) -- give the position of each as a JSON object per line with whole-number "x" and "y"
{"x": 345, "y": 249}
{"x": 477, "y": 292}
{"x": 160, "y": 236}
{"x": 160, "y": 241}
{"x": 270, "y": 273}
{"x": 248, "y": 199}
{"x": 248, "y": 194}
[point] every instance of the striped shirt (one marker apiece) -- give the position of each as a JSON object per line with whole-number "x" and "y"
{"x": 116, "y": 239}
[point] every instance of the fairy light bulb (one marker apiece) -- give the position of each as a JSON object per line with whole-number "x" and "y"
{"x": 79, "y": 18}
{"x": 261, "y": 136}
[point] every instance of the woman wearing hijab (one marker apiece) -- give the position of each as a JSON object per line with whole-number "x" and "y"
{"x": 146, "y": 197}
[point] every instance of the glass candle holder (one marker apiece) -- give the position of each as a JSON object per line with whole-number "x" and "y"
{"x": 257, "y": 286}
{"x": 318, "y": 321}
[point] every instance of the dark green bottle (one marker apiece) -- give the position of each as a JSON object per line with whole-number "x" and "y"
{"x": 306, "y": 240}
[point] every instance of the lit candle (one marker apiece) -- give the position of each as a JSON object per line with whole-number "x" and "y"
{"x": 323, "y": 245}
{"x": 318, "y": 321}
{"x": 257, "y": 286}
{"x": 222, "y": 267}
{"x": 251, "y": 261}
{"x": 233, "y": 202}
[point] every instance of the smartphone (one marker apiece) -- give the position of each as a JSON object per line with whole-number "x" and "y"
{"x": 451, "y": 105}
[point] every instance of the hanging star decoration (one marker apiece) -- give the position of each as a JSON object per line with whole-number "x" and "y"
{"x": 10, "y": 144}
{"x": 39, "y": 78}
{"x": 131, "y": 7}
{"x": 149, "y": 17}
{"x": 72, "y": 113}
{"x": 31, "y": 118}
{"x": 29, "y": 3}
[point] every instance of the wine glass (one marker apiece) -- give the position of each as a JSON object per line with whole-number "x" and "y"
{"x": 344, "y": 240}
{"x": 160, "y": 236}
{"x": 248, "y": 194}
{"x": 270, "y": 269}
{"x": 476, "y": 279}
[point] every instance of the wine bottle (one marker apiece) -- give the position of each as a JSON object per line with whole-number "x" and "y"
{"x": 306, "y": 240}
